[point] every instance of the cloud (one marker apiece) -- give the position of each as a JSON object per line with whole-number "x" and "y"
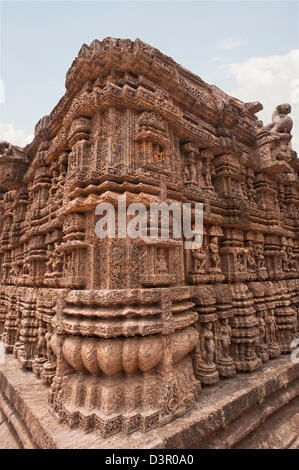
{"x": 271, "y": 80}
{"x": 230, "y": 43}
{"x": 14, "y": 136}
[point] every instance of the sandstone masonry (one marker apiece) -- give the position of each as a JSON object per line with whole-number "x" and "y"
{"x": 125, "y": 333}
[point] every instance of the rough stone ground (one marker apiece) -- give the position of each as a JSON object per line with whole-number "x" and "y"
{"x": 259, "y": 410}
{"x": 8, "y": 440}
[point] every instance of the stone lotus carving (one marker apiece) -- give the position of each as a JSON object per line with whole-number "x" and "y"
{"x": 112, "y": 356}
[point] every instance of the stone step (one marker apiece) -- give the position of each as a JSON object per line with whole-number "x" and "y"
{"x": 257, "y": 418}
{"x": 8, "y": 440}
{"x": 251, "y": 410}
{"x": 279, "y": 431}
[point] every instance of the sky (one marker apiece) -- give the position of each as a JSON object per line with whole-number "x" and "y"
{"x": 249, "y": 49}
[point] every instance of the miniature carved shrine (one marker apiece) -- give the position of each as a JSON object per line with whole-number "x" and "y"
{"x": 126, "y": 333}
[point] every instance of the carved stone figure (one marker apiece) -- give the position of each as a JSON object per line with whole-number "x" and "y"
{"x": 250, "y": 258}
{"x": 208, "y": 344}
{"x": 281, "y": 122}
{"x": 214, "y": 255}
{"x": 199, "y": 259}
{"x": 225, "y": 337}
{"x": 272, "y": 328}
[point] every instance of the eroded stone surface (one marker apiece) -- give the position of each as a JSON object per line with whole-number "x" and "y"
{"x": 126, "y": 332}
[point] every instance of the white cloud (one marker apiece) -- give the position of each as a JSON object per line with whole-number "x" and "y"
{"x": 14, "y": 136}
{"x": 271, "y": 80}
{"x": 230, "y": 43}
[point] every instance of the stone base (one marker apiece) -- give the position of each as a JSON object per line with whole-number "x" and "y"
{"x": 263, "y": 353}
{"x": 274, "y": 351}
{"x": 37, "y": 365}
{"x": 207, "y": 375}
{"x": 249, "y": 365}
{"x": 226, "y": 368}
{"x": 237, "y": 410}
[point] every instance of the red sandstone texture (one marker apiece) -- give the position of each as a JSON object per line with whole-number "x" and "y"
{"x": 125, "y": 333}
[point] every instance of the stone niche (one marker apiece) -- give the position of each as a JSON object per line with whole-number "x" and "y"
{"x": 124, "y": 333}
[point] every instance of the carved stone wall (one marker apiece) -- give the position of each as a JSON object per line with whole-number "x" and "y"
{"x": 126, "y": 332}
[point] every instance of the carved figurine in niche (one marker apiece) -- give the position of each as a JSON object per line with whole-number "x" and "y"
{"x": 272, "y": 327}
{"x": 250, "y": 256}
{"x": 190, "y": 169}
{"x": 235, "y": 187}
{"x": 162, "y": 265}
{"x": 214, "y": 255}
{"x": 285, "y": 258}
{"x": 199, "y": 258}
{"x": 240, "y": 263}
{"x": 208, "y": 347}
{"x": 207, "y": 169}
{"x": 51, "y": 358}
{"x": 207, "y": 173}
{"x": 262, "y": 350}
{"x": 41, "y": 347}
{"x": 259, "y": 256}
{"x": 53, "y": 188}
{"x": 58, "y": 260}
{"x": 68, "y": 263}
{"x": 41, "y": 350}
{"x": 261, "y": 327}
{"x": 49, "y": 367}
{"x": 158, "y": 153}
{"x": 251, "y": 194}
{"x": 50, "y": 261}
{"x": 225, "y": 334}
{"x": 28, "y": 270}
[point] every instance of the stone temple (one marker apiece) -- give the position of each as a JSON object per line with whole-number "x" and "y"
{"x": 121, "y": 342}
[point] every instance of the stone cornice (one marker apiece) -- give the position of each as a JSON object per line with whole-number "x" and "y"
{"x": 153, "y": 81}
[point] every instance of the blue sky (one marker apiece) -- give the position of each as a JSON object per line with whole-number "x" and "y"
{"x": 244, "y": 47}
